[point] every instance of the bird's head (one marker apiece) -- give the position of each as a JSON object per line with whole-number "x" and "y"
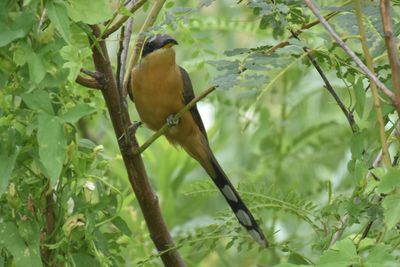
{"x": 158, "y": 43}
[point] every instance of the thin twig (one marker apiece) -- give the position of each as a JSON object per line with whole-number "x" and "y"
{"x": 88, "y": 82}
{"x": 124, "y": 55}
{"x": 366, "y": 230}
{"x": 122, "y": 99}
{"x": 132, "y": 7}
{"x": 391, "y": 49}
{"x": 349, "y": 116}
{"x": 374, "y": 91}
{"x": 150, "y": 20}
{"x": 338, "y": 234}
{"x": 41, "y": 21}
{"x": 349, "y": 52}
{"x": 298, "y": 32}
{"x": 304, "y": 27}
{"x": 165, "y": 127}
{"x": 119, "y": 58}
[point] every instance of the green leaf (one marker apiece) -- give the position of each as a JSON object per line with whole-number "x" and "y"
{"x": 10, "y": 31}
{"x": 58, "y": 15}
{"x": 37, "y": 70}
{"x": 77, "y": 112}
{"x": 360, "y": 171}
{"x": 52, "y": 145}
{"x": 122, "y": 226}
{"x": 38, "y": 100}
{"x": 390, "y": 181}
{"x": 391, "y": 210}
{"x": 343, "y": 254}
{"x": 357, "y": 145}
{"x": 30, "y": 232}
{"x": 82, "y": 10}
{"x": 360, "y": 97}
{"x": 7, "y": 163}
{"x": 74, "y": 57}
{"x": 297, "y": 258}
{"x": 380, "y": 257}
{"x": 24, "y": 255}
{"x": 82, "y": 259}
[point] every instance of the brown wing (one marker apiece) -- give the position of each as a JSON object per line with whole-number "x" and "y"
{"x": 188, "y": 95}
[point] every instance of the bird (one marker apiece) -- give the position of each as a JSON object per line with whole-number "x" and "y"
{"x": 159, "y": 89}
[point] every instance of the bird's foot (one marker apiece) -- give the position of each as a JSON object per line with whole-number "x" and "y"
{"x": 133, "y": 127}
{"x": 128, "y": 142}
{"x": 172, "y": 121}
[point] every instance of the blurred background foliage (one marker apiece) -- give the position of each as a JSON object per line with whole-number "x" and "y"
{"x": 275, "y": 129}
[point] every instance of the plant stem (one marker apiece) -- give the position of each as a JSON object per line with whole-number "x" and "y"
{"x": 132, "y": 8}
{"x": 392, "y": 50}
{"x": 374, "y": 91}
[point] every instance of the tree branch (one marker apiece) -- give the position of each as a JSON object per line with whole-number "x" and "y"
{"x": 88, "y": 82}
{"x": 138, "y": 178}
{"x": 349, "y": 116}
{"x": 124, "y": 52}
{"x": 163, "y": 129}
{"x": 132, "y": 7}
{"x": 391, "y": 49}
{"x": 349, "y": 52}
{"x": 374, "y": 91}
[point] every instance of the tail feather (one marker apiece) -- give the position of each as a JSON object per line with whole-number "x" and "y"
{"x": 197, "y": 147}
{"x": 242, "y": 213}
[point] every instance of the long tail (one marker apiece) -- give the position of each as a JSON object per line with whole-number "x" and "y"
{"x": 242, "y": 213}
{"x": 197, "y": 146}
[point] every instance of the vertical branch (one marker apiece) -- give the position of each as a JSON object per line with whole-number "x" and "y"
{"x": 150, "y": 20}
{"x": 374, "y": 91}
{"x": 124, "y": 54}
{"x": 391, "y": 49}
{"x": 138, "y": 178}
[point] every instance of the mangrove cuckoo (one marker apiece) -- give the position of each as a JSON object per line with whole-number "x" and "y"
{"x": 160, "y": 89}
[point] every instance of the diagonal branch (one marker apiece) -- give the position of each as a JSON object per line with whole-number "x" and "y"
{"x": 132, "y": 7}
{"x": 349, "y": 52}
{"x": 179, "y": 115}
{"x": 349, "y": 116}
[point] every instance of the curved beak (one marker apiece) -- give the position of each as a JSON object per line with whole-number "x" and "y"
{"x": 168, "y": 42}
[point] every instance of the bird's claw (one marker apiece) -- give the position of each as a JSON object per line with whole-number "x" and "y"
{"x": 133, "y": 127}
{"x": 172, "y": 121}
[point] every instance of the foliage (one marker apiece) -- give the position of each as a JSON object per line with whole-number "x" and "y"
{"x": 64, "y": 195}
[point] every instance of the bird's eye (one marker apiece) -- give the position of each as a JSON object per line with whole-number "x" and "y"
{"x": 150, "y": 46}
